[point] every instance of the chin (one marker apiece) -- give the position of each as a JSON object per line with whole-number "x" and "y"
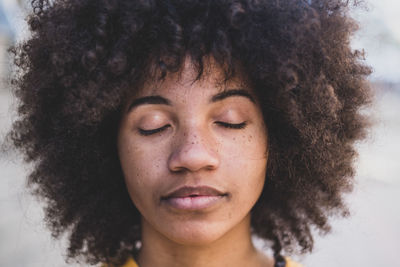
{"x": 195, "y": 235}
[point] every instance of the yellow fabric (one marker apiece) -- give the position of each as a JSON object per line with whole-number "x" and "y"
{"x": 289, "y": 263}
{"x": 130, "y": 263}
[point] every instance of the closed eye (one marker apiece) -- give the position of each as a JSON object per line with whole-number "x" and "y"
{"x": 221, "y": 123}
{"x": 232, "y": 125}
{"x": 153, "y": 131}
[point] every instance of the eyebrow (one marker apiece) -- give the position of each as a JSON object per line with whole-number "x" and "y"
{"x": 156, "y": 99}
{"x": 232, "y": 92}
{"x": 153, "y": 99}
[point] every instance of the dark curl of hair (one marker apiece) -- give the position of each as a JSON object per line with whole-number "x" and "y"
{"x": 85, "y": 57}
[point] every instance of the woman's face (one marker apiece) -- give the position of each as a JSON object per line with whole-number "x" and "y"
{"x": 193, "y": 155}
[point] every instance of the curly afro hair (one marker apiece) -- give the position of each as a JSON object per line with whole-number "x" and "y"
{"x": 84, "y": 57}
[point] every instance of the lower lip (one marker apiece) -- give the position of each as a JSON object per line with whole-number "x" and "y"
{"x": 193, "y": 203}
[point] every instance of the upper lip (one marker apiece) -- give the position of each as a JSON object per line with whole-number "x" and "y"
{"x": 187, "y": 191}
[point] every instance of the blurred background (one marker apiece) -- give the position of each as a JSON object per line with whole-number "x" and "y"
{"x": 369, "y": 238}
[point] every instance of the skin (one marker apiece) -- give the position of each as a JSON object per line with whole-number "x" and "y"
{"x": 193, "y": 146}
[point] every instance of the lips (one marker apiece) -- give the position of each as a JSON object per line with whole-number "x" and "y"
{"x": 189, "y": 198}
{"x": 189, "y": 191}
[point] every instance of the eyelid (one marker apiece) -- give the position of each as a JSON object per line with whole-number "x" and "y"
{"x": 224, "y": 124}
{"x": 152, "y": 131}
{"x": 232, "y": 125}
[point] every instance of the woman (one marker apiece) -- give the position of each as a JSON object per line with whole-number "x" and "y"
{"x": 168, "y": 133}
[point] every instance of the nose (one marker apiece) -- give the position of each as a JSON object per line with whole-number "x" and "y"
{"x": 193, "y": 153}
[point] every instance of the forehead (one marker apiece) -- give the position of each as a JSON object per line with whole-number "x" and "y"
{"x": 186, "y": 81}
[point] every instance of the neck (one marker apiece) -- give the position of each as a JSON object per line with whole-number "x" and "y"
{"x": 235, "y": 249}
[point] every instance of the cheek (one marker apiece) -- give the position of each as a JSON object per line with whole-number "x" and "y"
{"x": 141, "y": 168}
{"x": 245, "y": 160}
{"x": 245, "y": 149}
{"x": 138, "y": 160}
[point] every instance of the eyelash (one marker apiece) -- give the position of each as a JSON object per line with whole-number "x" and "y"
{"x": 234, "y": 126}
{"x": 153, "y": 131}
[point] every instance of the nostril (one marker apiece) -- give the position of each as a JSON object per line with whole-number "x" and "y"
{"x": 193, "y": 155}
{"x": 179, "y": 170}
